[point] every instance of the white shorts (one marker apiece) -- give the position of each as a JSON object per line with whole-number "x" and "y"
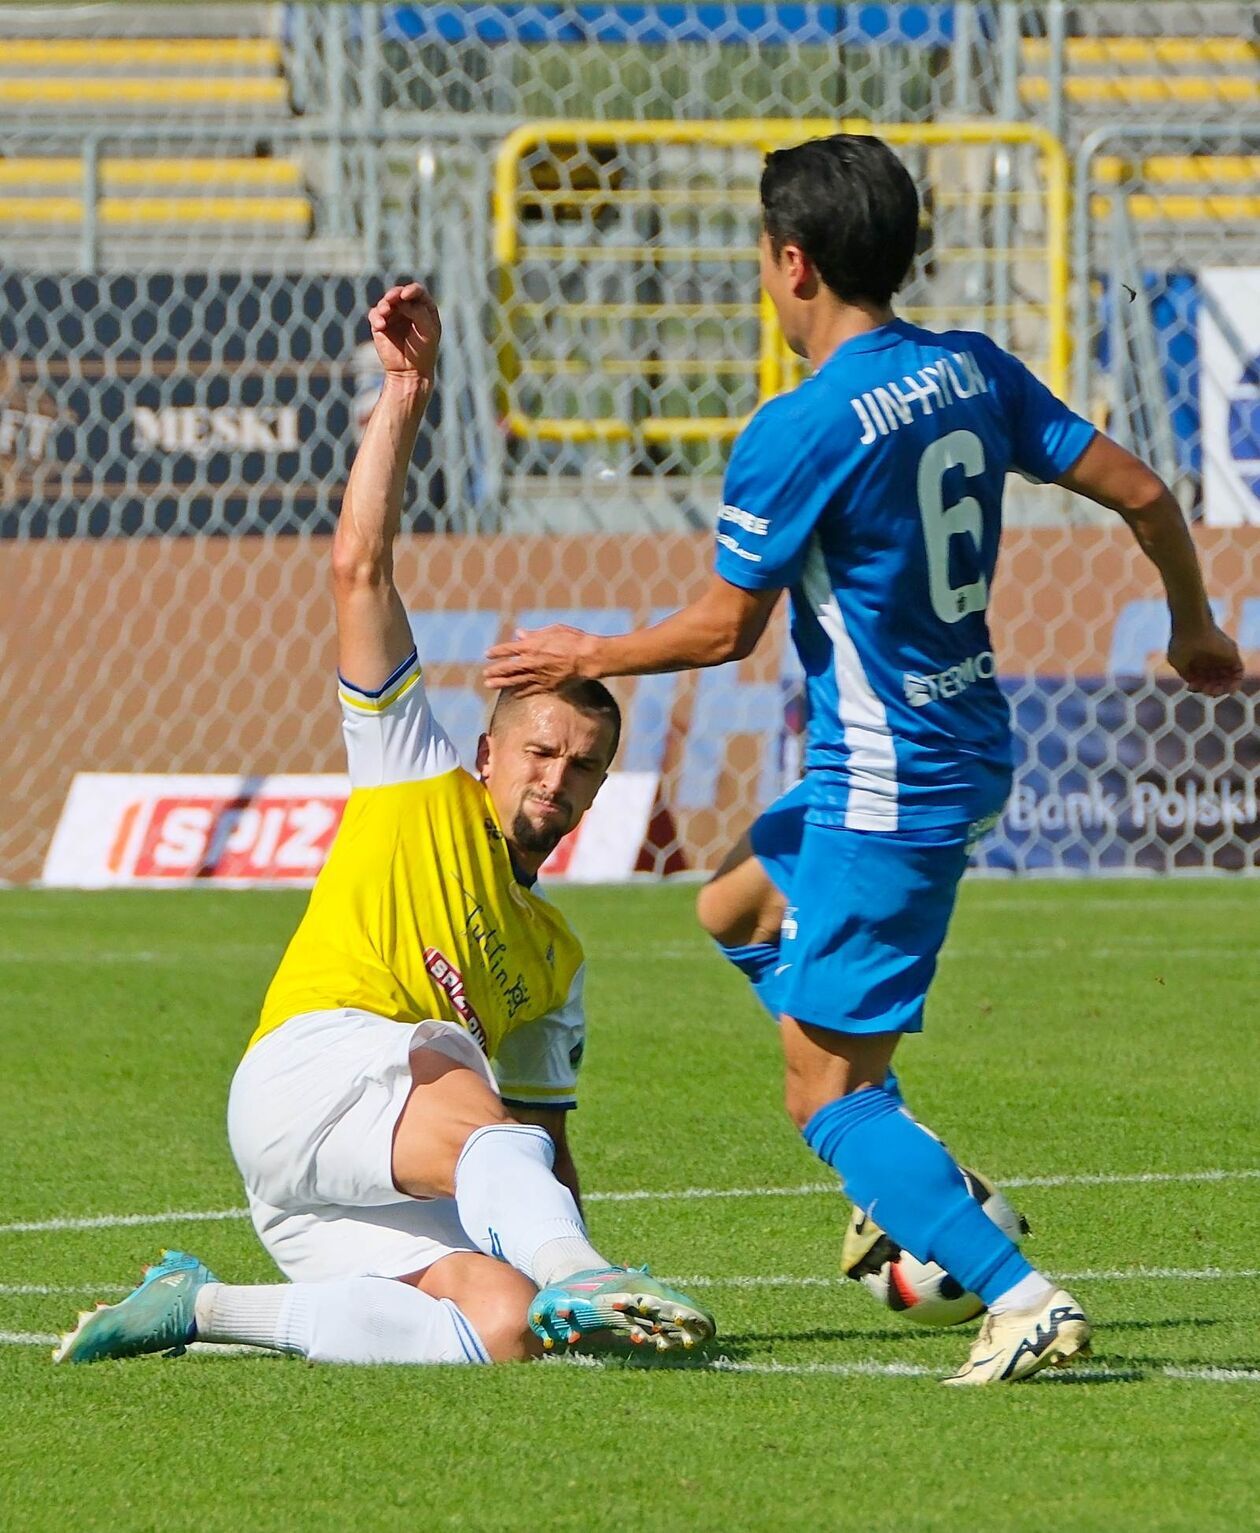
{"x": 311, "y": 1119}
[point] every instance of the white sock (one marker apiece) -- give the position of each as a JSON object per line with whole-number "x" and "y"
{"x": 513, "y": 1207}
{"x": 236, "y": 1315}
{"x": 351, "y": 1320}
{"x": 1029, "y": 1291}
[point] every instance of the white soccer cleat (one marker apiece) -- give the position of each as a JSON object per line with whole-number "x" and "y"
{"x": 1010, "y": 1347}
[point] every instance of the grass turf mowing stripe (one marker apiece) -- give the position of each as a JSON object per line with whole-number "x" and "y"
{"x": 646, "y": 1195}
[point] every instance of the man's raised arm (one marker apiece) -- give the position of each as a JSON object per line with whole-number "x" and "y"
{"x": 373, "y": 636}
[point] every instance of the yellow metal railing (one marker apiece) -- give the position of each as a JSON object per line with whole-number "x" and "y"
{"x": 556, "y": 172}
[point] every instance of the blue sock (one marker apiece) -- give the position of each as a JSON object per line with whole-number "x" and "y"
{"x": 910, "y": 1185}
{"x": 757, "y": 961}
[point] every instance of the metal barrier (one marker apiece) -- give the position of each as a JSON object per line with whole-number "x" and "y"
{"x": 627, "y": 252}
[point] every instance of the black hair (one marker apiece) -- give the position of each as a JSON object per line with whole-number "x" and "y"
{"x": 584, "y": 694}
{"x": 850, "y": 204}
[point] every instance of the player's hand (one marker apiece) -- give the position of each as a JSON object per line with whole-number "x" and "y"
{"x": 540, "y": 660}
{"x": 1207, "y": 660}
{"x": 406, "y": 329}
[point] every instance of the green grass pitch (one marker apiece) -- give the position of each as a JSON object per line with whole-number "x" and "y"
{"x": 1077, "y": 1030}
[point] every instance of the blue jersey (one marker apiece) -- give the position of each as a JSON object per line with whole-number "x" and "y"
{"x": 874, "y": 493}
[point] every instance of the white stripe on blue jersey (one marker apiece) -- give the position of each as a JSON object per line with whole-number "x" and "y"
{"x": 871, "y": 758}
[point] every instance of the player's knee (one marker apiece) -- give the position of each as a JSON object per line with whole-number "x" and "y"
{"x": 736, "y": 917}
{"x": 713, "y": 914}
{"x": 498, "y": 1310}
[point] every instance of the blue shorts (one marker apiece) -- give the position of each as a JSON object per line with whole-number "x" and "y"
{"x": 867, "y": 915}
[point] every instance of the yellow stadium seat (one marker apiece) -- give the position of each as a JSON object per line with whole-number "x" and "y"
{"x": 1148, "y": 90}
{"x": 1184, "y": 207}
{"x": 105, "y": 90}
{"x": 1146, "y": 52}
{"x": 223, "y": 174}
{"x": 118, "y": 212}
{"x": 140, "y": 52}
{"x": 1181, "y": 170}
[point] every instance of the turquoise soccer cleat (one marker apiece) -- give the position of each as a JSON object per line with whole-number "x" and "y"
{"x": 156, "y": 1317}
{"x": 626, "y": 1309}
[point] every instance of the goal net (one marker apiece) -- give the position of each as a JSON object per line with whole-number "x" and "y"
{"x": 197, "y": 208}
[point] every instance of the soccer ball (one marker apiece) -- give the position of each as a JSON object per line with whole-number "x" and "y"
{"x": 921, "y": 1291}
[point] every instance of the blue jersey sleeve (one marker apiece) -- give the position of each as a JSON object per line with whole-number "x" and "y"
{"x": 1046, "y": 436}
{"x": 772, "y": 500}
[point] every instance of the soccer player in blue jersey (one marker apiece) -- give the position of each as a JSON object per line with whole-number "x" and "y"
{"x": 873, "y": 494}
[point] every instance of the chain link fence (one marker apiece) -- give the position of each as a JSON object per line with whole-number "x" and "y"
{"x": 198, "y": 205}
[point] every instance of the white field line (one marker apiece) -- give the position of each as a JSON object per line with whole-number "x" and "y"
{"x": 50, "y": 1339}
{"x": 43, "y": 1290}
{"x": 118, "y": 1221}
{"x": 832, "y": 1370}
{"x": 648, "y": 1195}
{"x": 1116, "y": 1178}
{"x": 915, "y": 1370}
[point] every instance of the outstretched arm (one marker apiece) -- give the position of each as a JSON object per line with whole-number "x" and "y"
{"x": 373, "y": 636}
{"x": 1205, "y": 657}
{"x": 723, "y": 623}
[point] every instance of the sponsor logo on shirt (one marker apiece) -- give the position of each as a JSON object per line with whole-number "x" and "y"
{"x": 727, "y": 541}
{"x": 448, "y": 977}
{"x": 754, "y": 526}
{"x": 508, "y": 979}
{"x": 745, "y": 520}
{"x": 939, "y": 686}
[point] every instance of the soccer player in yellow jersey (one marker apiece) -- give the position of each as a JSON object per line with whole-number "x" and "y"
{"x": 399, "y": 1115}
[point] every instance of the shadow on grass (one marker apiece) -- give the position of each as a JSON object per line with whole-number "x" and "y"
{"x": 1173, "y": 1323}
{"x": 747, "y": 1339}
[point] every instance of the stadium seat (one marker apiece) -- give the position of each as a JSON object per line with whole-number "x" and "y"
{"x": 1183, "y": 188}
{"x": 172, "y": 55}
{"x": 1213, "y": 74}
{"x": 1147, "y": 53}
{"x": 74, "y": 75}
{"x": 1182, "y": 170}
{"x": 37, "y": 174}
{"x": 292, "y": 213}
{"x": 43, "y": 193}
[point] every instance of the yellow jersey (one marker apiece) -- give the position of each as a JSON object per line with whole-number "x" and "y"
{"x": 418, "y": 912}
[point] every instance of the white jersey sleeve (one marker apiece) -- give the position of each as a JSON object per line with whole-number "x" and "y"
{"x": 391, "y": 734}
{"x": 537, "y": 1065}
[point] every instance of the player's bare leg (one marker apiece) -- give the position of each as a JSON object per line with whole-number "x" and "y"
{"x": 835, "y": 1094}
{"x": 456, "y": 1138}
{"x": 742, "y": 910}
{"x": 821, "y": 1066}
{"x": 344, "y": 1320}
{"x": 740, "y": 905}
{"x": 495, "y": 1298}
